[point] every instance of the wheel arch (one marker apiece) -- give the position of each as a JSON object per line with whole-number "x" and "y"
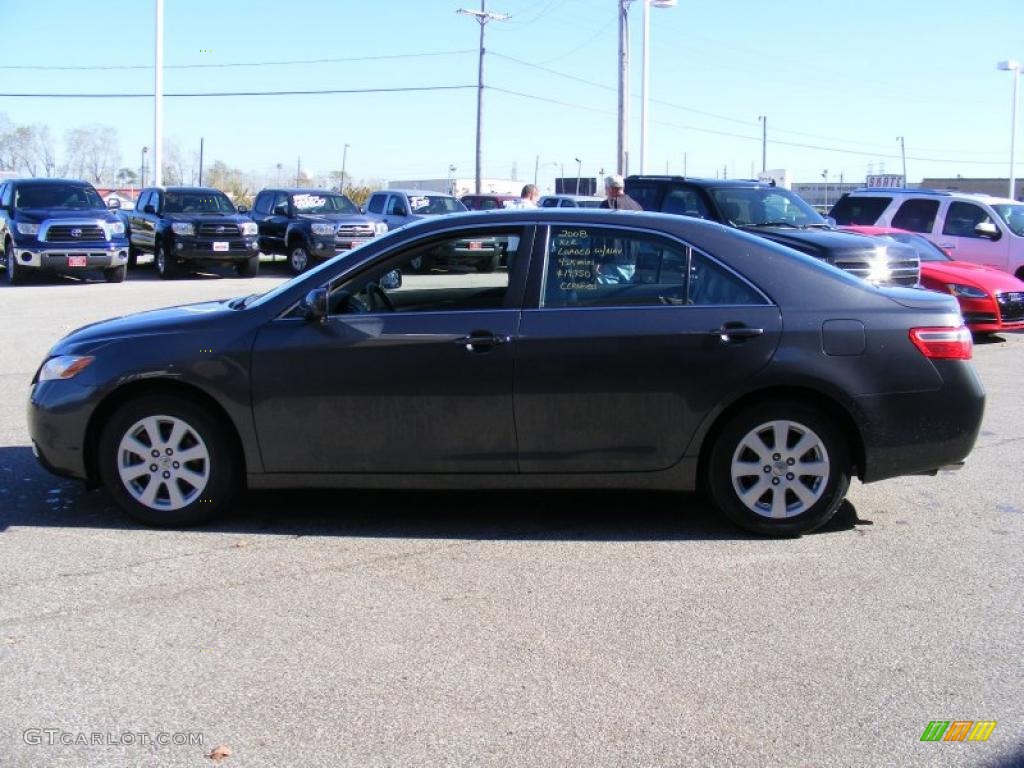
{"x": 295, "y": 235}
{"x": 131, "y": 391}
{"x": 804, "y": 395}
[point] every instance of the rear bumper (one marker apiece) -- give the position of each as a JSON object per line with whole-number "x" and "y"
{"x": 922, "y": 432}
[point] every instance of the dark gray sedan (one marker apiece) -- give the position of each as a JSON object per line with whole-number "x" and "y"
{"x": 615, "y": 350}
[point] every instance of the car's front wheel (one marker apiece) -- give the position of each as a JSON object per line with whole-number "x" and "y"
{"x": 166, "y": 461}
{"x": 779, "y": 469}
{"x": 298, "y": 258}
{"x": 115, "y": 274}
{"x": 249, "y": 267}
{"x": 15, "y": 274}
{"x": 166, "y": 264}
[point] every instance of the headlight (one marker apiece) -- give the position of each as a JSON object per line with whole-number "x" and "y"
{"x": 323, "y": 229}
{"x": 117, "y": 228}
{"x": 967, "y": 291}
{"x": 249, "y": 228}
{"x": 28, "y": 229}
{"x": 183, "y": 228}
{"x": 64, "y": 367}
{"x": 380, "y": 227}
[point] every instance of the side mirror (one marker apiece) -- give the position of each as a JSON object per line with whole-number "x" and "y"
{"x": 391, "y": 280}
{"x": 987, "y": 229}
{"x": 113, "y": 203}
{"x": 399, "y": 210}
{"x": 149, "y": 208}
{"x": 243, "y": 209}
{"x": 314, "y": 306}
{"x": 281, "y": 209}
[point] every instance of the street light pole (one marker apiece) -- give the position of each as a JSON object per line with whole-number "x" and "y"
{"x": 483, "y": 17}
{"x": 158, "y": 98}
{"x": 824, "y": 175}
{"x": 344, "y": 158}
{"x": 645, "y": 81}
{"x": 764, "y": 142}
{"x": 903, "y": 154}
{"x": 1012, "y": 66}
{"x": 622, "y": 161}
{"x": 142, "y": 168}
{"x": 579, "y": 166}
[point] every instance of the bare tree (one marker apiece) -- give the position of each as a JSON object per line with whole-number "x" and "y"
{"x": 233, "y": 182}
{"x": 91, "y": 153}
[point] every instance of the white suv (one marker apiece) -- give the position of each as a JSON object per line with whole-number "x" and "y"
{"x": 979, "y": 228}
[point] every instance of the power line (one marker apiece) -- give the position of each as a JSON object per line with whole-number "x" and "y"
{"x": 107, "y": 67}
{"x": 221, "y": 94}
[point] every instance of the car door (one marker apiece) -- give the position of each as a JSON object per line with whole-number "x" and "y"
{"x": 634, "y": 339}
{"x": 260, "y": 213}
{"x": 961, "y": 239}
{"x": 276, "y": 223}
{"x": 143, "y": 227}
{"x": 396, "y": 211}
{"x": 410, "y": 379}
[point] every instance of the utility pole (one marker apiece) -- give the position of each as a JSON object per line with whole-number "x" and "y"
{"x": 482, "y": 17}
{"x": 623, "y": 155}
{"x": 298, "y": 169}
{"x": 200, "y": 161}
{"x": 824, "y": 175}
{"x": 684, "y": 164}
{"x": 158, "y": 99}
{"x": 579, "y": 166}
{"x": 903, "y": 154}
{"x": 344, "y": 158}
{"x": 764, "y": 142}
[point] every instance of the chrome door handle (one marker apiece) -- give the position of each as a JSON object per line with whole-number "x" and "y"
{"x": 482, "y": 342}
{"x": 727, "y": 332}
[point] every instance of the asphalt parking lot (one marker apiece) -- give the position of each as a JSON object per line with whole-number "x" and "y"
{"x": 543, "y": 629}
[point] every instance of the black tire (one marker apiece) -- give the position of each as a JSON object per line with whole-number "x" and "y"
{"x": 249, "y": 267}
{"x": 767, "y": 469}
{"x": 133, "y": 257}
{"x": 166, "y": 264}
{"x": 15, "y": 274}
{"x": 298, "y": 257}
{"x": 218, "y": 468}
{"x": 116, "y": 274}
{"x": 492, "y": 263}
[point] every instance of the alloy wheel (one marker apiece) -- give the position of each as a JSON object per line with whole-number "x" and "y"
{"x": 163, "y": 462}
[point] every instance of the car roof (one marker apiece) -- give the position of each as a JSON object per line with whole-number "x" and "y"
{"x": 188, "y": 189}
{"x": 925, "y": 192}
{"x": 48, "y": 182}
{"x": 302, "y": 191}
{"x": 414, "y": 192}
{"x": 701, "y": 182}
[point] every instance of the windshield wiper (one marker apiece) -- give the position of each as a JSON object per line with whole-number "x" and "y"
{"x": 243, "y": 301}
{"x": 772, "y": 224}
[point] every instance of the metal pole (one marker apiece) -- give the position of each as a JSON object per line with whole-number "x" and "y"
{"x": 142, "y": 168}
{"x": 344, "y": 158}
{"x": 903, "y": 154}
{"x": 200, "y": 161}
{"x": 623, "y": 155}
{"x": 158, "y": 99}
{"x": 298, "y": 169}
{"x": 579, "y": 166}
{"x": 764, "y": 142}
{"x": 645, "y": 83}
{"x": 536, "y": 170}
{"x": 1013, "y": 134}
{"x": 480, "y": 99}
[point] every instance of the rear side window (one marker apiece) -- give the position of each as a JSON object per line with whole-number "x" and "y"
{"x": 685, "y": 201}
{"x": 962, "y": 218}
{"x": 376, "y": 204}
{"x": 916, "y": 215}
{"x": 610, "y": 267}
{"x": 859, "y": 210}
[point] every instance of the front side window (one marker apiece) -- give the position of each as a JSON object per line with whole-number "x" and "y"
{"x": 5, "y": 195}
{"x": 862, "y": 211}
{"x": 963, "y": 218}
{"x": 262, "y": 204}
{"x": 376, "y": 204}
{"x": 395, "y": 206}
{"x": 197, "y": 202}
{"x": 465, "y": 271}
{"x": 611, "y": 267}
{"x": 916, "y": 215}
{"x": 65, "y": 196}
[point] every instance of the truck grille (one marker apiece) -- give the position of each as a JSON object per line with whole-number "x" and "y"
{"x": 348, "y": 231}
{"x": 903, "y": 270}
{"x": 217, "y": 230}
{"x": 1011, "y": 306}
{"x": 74, "y": 233}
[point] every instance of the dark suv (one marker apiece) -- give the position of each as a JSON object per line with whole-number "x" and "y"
{"x": 305, "y": 224}
{"x": 59, "y": 225}
{"x": 777, "y": 214}
{"x": 182, "y": 225}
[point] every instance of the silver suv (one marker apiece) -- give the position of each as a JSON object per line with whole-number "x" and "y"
{"x": 978, "y": 228}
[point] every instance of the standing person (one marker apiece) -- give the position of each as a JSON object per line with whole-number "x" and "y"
{"x": 528, "y": 197}
{"x": 616, "y": 197}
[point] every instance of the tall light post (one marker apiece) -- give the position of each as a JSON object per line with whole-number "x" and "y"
{"x": 645, "y": 81}
{"x": 158, "y": 98}
{"x": 483, "y": 17}
{"x": 579, "y": 167}
{"x": 142, "y": 168}
{"x": 1012, "y": 66}
{"x": 344, "y": 157}
{"x": 903, "y": 154}
{"x": 451, "y": 179}
{"x": 824, "y": 175}
{"x": 764, "y": 142}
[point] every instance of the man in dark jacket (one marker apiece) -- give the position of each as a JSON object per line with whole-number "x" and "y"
{"x": 616, "y": 197}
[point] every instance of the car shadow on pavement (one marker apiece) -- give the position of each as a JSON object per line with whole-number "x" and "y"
{"x": 31, "y": 497}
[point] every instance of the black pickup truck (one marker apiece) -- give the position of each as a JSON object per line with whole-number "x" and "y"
{"x": 189, "y": 225}
{"x": 307, "y": 224}
{"x": 59, "y": 225}
{"x": 777, "y": 214}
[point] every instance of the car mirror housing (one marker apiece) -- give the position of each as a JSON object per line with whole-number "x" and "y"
{"x": 113, "y": 203}
{"x": 987, "y": 229}
{"x": 281, "y": 210}
{"x": 149, "y": 209}
{"x": 314, "y": 305}
{"x": 400, "y": 211}
{"x": 243, "y": 209}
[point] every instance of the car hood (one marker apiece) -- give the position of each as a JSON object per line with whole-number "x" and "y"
{"x": 36, "y": 215}
{"x": 198, "y": 218}
{"x": 964, "y": 272}
{"x": 153, "y": 322}
{"x": 334, "y": 218}
{"x": 815, "y": 241}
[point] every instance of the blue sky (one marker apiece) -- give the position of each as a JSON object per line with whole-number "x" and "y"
{"x": 849, "y": 77}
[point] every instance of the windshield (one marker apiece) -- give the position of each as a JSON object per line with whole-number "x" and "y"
{"x": 70, "y": 196}
{"x": 309, "y": 202}
{"x": 428, "y": 205}
{"x": 925, "y": 248}
{"x": 197, "y": 202}
{"x": 753, "y": 206}
{"x": 1012, "y": 215}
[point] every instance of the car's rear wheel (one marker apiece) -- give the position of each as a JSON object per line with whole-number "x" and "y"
{"x": 298, "y": 258}
{"x": 166, "y": 461}
{"x": 780, "y": 468}
{"x": 166, "y": 264}
{"x": 115, "y": 274}
{"x": 249, "y": 267}
{"x": 15, "y": 274}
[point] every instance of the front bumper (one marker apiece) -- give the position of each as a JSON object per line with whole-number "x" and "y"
{"x": 201, "y": 249}
{"x": 61, "y": 258}
{"x": 58, "y": 416}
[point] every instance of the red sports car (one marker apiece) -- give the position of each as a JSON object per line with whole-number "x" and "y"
{"x": 990, "y": 300}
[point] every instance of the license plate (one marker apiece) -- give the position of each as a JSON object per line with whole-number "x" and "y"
{"x": 356, "y": 243}
{"x": 221, "y": 246}
{"x": 78, "y": 261}
{"x": 475, "y": 245}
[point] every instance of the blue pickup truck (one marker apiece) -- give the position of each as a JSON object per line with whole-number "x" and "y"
{"x": 61, "y": 226}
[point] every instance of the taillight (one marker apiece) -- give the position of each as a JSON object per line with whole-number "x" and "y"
{"x": 943, "y": 343}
